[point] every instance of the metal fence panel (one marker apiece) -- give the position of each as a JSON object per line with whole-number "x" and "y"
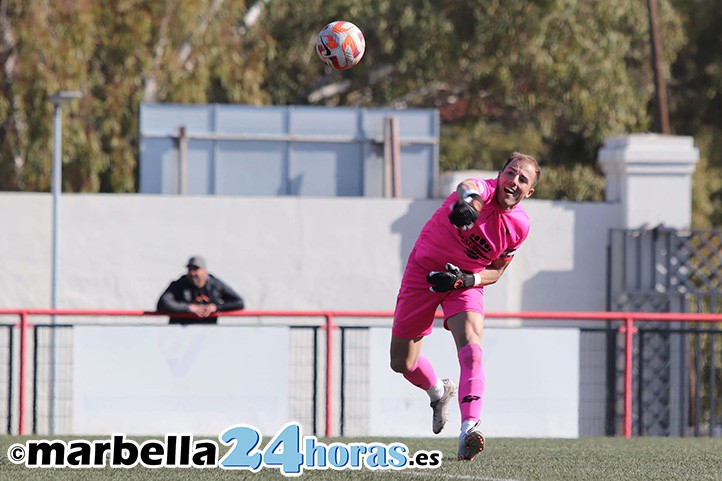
{"x": 274, "y": 150}
{"x": 666, "y": 270}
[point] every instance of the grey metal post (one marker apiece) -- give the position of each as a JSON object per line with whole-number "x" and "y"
{"x": 182, "y": 160}
{"x": 392, "y": 157}
{"x": 57, "y": 100}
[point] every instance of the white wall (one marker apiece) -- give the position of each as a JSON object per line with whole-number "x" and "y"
{"x": 154, "y": 380}
{"x": 532, "y": 385}
{"x": 121, "y": 251}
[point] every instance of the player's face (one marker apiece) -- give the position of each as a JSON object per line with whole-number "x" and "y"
{"x": 197, "y": 276}
{"x": 515, "y": 183}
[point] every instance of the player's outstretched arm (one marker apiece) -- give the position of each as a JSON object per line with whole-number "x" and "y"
{"x": 493, "y": 273}
{"x": 465, "y": 210}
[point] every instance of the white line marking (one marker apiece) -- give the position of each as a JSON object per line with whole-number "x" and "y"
{"x": 454, "y": 476}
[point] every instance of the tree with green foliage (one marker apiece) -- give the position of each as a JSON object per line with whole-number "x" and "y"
{"x": 696, "y": 102}
{"x": 119, "y": 54}
{"x": 549, "y": 77}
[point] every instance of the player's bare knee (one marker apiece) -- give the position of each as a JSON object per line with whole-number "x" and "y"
{"x": 401, "y": 365}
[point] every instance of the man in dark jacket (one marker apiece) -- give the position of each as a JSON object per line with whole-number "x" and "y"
{"x": 200, "y": 293}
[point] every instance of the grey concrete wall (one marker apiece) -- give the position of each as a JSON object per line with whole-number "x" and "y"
{"x": 121, "y": 251}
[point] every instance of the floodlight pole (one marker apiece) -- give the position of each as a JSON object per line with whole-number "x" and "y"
{"x": 57, "y": 99}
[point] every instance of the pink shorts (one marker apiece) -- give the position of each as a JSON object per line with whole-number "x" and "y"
{"x": 416, "y": 305}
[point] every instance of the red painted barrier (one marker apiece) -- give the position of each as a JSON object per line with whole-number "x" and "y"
{"x": 627, "y": 328}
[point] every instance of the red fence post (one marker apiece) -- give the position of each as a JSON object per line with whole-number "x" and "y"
{"x": 628, "y": 330}
{"x": 329, "y": 371}
{"x": 23, "y": 369}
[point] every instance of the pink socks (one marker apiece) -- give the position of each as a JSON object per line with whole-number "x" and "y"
{"x": 422, "y": 374}
{"x": 471, "y": 382}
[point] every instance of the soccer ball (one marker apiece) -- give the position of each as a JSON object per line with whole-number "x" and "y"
{"x": 340, "y": 45}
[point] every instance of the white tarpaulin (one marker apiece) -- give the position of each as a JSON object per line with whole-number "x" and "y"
{"x": 532, "y": 385}
{"x": 155, "y": 380}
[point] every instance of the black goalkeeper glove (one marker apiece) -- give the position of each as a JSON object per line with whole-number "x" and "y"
{"x": 465, "y": 212}
{"x": 452, "y": 278}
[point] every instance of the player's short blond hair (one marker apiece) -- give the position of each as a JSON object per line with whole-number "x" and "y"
{"x": 528, "y": 159}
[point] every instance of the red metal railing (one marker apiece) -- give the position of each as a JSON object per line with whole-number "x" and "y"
{"x": 627, "y": 328}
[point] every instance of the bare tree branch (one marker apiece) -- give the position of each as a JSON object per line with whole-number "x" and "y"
{"x": 7, "y": 44}
{"x": 186, "y": 48}
{"x": 150, "y": 82}
{"x": 11, "y": 122}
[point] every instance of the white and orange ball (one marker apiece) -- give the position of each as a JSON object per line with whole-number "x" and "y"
{"x": 340, "y": 44}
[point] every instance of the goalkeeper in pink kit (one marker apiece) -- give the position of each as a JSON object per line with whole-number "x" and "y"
{"x": 467, "y": 244}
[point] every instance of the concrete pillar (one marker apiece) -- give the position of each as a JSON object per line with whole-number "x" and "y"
{"x": 650, "y": 176}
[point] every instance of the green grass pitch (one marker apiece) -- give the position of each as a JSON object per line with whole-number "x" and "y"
{"x": 646, "y": 458}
